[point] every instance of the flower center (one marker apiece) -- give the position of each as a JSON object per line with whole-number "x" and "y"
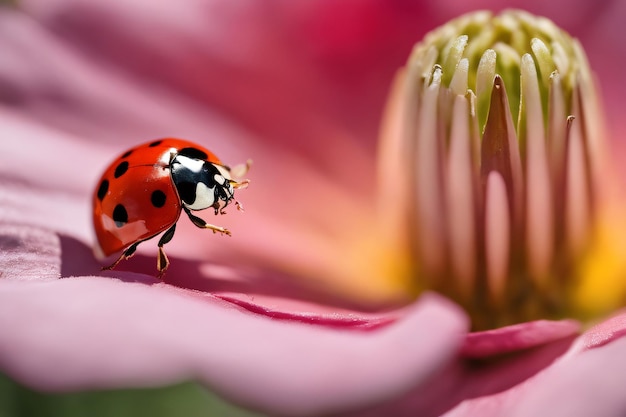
{"x": 493, "y": 134}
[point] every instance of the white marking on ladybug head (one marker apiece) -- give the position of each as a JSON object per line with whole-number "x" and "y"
{"x": 224, "y": 179}
{"x": 205, "y": 197}
{"x": 223, "y": 171}
{"x": 166, "y": 157}
{"x": 192, "y": 164}
{"x": 219, "y": 179}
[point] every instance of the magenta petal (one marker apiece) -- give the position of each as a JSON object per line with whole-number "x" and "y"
{"x": 517, "y": 337}
{"x": 587, "y": 380}
{"x": 607, "y": 331}
{"x": 589, "y": 384}
{"x": 93, "y": 332}
{"x": 22, "y": 247}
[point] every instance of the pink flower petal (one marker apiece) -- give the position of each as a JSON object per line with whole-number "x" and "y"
{"x": 602, "y": 333}
{"x": 92, "y": 114}
{"x": 294, "y": 86}
{"x": 89, "y": 332}
{"x": 590, "y": 384}
{"x": 277, "y": 68}
{"x": 467, "y": 381}
{"x": 517, "y": 337}
{"x": 582, "y": 383}
{"x": 28, "y": 253}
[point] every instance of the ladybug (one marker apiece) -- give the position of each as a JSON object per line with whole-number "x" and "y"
{"x": 143, "y": 192}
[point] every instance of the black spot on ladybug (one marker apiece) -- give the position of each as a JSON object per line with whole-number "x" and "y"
{"x": 193, "y": 153}
{"x": 126, "y": 154}
{"x": 121, "y": 169}
{"x": 155, "y": 143}
{"x": 102, "y": 190}
{"x": 187, "y": 191}
{"x": 158, "y": 198}
{"x": 120, "y": 216}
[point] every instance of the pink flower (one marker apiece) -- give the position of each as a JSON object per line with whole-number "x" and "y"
{"x": 278, "y": 318}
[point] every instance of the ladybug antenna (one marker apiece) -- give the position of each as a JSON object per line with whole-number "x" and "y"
{"x": 239, "y": 185}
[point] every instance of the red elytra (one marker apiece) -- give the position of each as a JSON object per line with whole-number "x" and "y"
{"x": 142, "y": 193}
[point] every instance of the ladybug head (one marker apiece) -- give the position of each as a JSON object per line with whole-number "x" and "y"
{"x": 201, "y": 184}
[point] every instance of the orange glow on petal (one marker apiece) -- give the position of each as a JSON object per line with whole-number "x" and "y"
{"x": 602, "y": 272}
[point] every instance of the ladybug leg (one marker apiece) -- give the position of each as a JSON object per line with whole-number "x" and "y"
{"x": 204, "y": 225}
{"x": 125, "y": 255}
{"x": 162, "y": 261}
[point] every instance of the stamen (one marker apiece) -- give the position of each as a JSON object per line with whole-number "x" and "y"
{"x": 454, "y": 57}
{"x": 460, "y": 185}
{"x": 494, "y": 159}
{"x": 499, "y": 151}
{"x": 430, "y": 233}
{"x": 458, "y": 85}
{"x": 539, "y": 214}
{"x": 576, "y": 198}
{"x": 497, "y": 237}
{"x": 557, "y": 125}
{"x": 543, "y": 59}
{"x": 394, "y": 148}
{"x": 485, "y": 76}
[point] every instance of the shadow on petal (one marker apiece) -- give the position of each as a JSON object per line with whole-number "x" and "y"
{"x": 266, "y": 292}
{"x": 467, "y": 379}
